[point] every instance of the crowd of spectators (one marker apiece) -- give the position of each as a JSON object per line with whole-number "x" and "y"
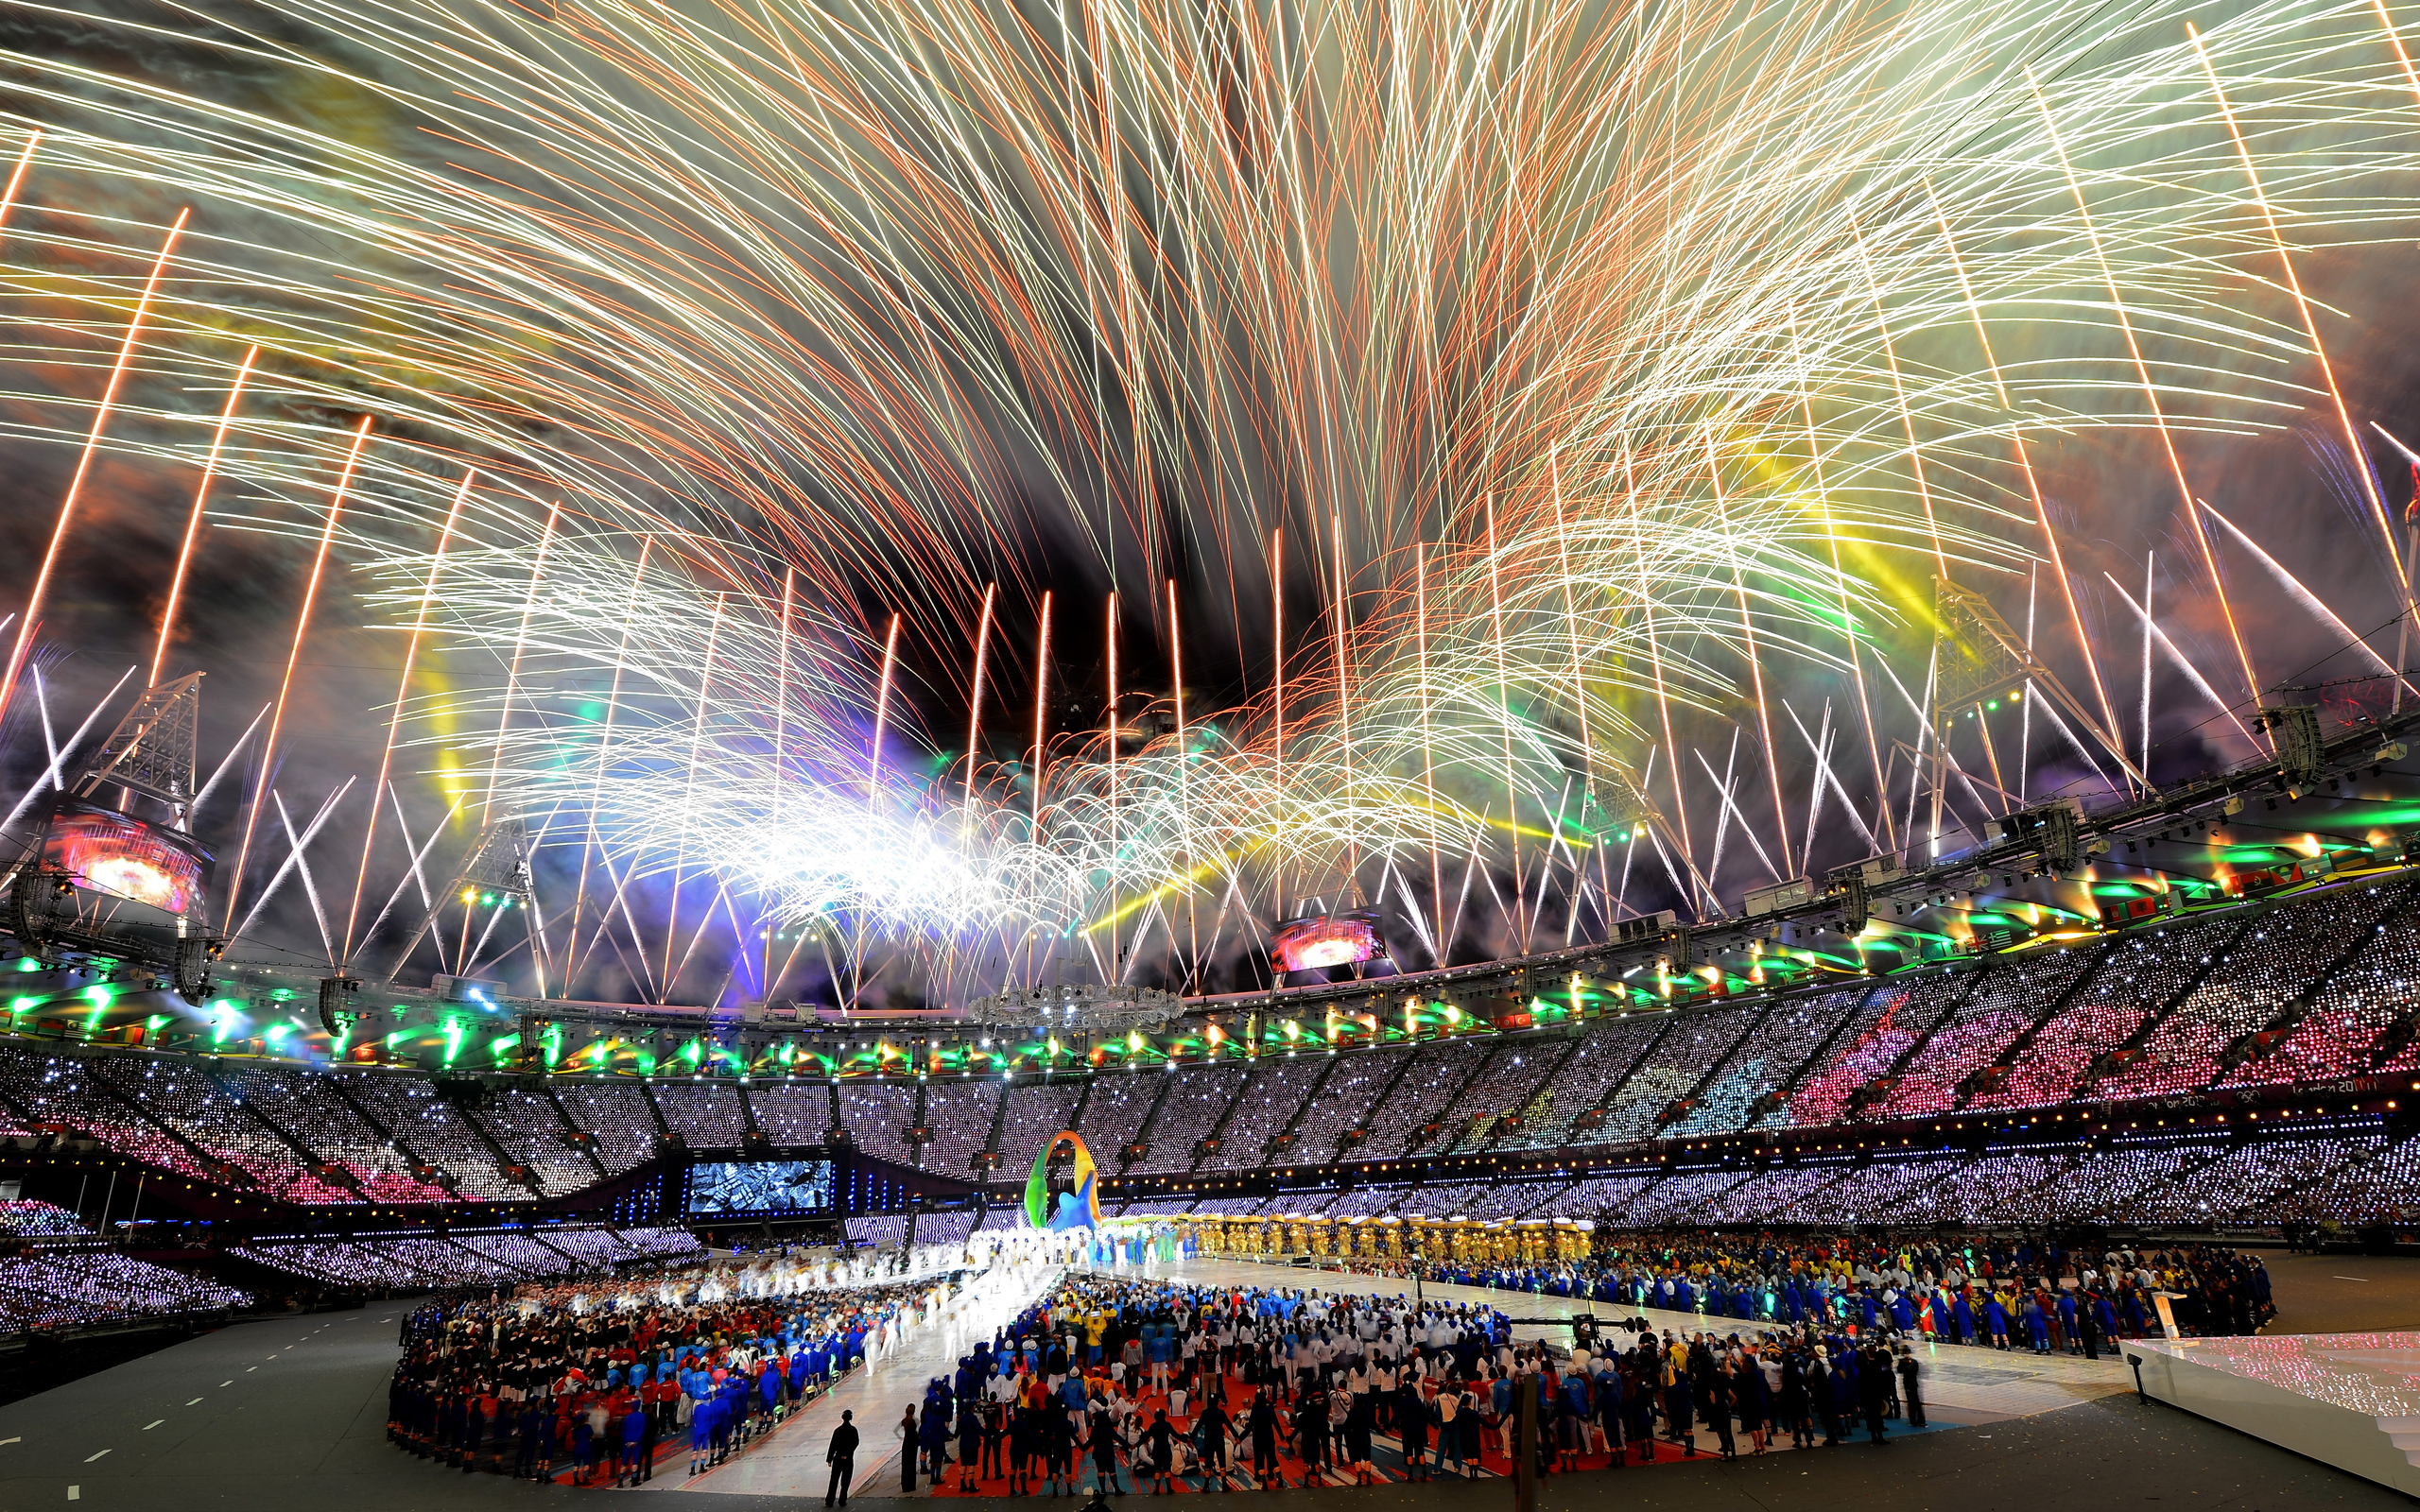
{"x": 1032, "y": 1112}
{"x": 2314, "y": 991}
{"x": 618, "y": 1116}
{"x": 1267, "y": 1104}
{"x": 2147, "y": 1179}
{"x": 793, "y": 1112}
{"x": 1345, "y": 1100}
{"x": 878, "y": 1116}
{"x": 530, "y": 1128}
{"x": 409, "y": 1262}
{"x": 945, "y": 1227}
{"x": 312, "y": 1107}
{"x": 202, "y": 1114}
{"x": 1502, "y": 1084}
{"x": 1437, "y": 1073}
{"x": 1187, "y": 1114}
{"x": 705, "y": 1114}
{"x": 959, "y": 1116}
{"x": 1114, "y": 1110}
{"x": 25, "y": 1218}
{"x": 55, "y": 1287}
{"x": 880, "y": 1230}
{"x": 429, "y": 1127}
{"x": 1996, "y": 1007}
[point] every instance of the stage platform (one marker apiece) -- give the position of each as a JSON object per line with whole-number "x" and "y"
{"x": 2347, "y": 1399}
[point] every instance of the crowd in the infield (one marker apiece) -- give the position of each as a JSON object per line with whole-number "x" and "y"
{"x": 1114, "y": 1376}
{"x": 594, "y": 1378}
{"x": 1966, "y": 1289}
{"x": 1169, "y": 1382}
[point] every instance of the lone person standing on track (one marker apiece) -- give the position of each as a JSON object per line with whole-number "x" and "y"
{"x": 841, "y": 1456}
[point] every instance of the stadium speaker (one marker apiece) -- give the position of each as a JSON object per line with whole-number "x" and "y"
{"x": 336, "y": 1004}
{"x": 2294, "y": 732}
{"x": 195, "y": 956}
{"x": 464, "y": 1093}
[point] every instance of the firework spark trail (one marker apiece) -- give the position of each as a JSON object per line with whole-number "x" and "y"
{"x": 816, "y": 302}
{"x": 31, "y": 614}
{"x": 193, "y": 519}
{"x": 343, "y": 955}
{"x": 293, "y": 660}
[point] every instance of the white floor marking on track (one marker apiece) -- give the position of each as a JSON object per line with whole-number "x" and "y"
{"x": 89, "y": 1458}
{"x": 2364, "y": 1280}
{"x": 153, "y": 1423}
{"x": 195, "y": 1402}
{"x": 19, "y": 1440}
{"x": 225, "y": 1382}
{"x": 249, "y": 1369}
{"x": 74, "y": 1493}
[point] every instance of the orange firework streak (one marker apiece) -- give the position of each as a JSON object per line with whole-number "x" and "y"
{"x": 1840, "y": 581}
{"x": 2025, "y": 466}
{"x": 2310, "y": 328}
{"x": 1579, "y": 704}
{"x": 17, "y": 176}
{"x": 975, "y": 703}
{"x": 293, "y": 658}
{"x": 1343, "y": 713}
{"x": 1184, "y": 804}
{"x": 1655, "y": 660}
{"x": 1755, "y": 667}
{"x": 396, "y": 721}
{"x": 31, "y": 616}
{"x": 881, "y": 713}
{"x": 1504, "y": 713}
{"x": 512, "y": 668}
{"x": 681, "y": 851}
{"x": 1907, "y": 416}
{"x": 2151, "y": 394}
{"x": 193, "y": 522}
{"x": 1427, "y": 752}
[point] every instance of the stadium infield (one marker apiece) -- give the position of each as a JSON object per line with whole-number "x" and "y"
{"x": 290, "y": 1412}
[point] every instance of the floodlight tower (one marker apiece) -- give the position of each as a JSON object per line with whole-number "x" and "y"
{"x": 151, "y": 751}
{"x": 1977, "y": 657}
{"x": 496, "y": 865}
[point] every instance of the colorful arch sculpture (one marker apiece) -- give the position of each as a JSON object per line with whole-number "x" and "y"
{"x": 1080, "y": 1209}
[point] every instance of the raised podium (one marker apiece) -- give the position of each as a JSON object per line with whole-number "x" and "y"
{"x": 2347, "y": 1399}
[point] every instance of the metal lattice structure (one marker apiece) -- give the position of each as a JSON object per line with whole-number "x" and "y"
{"x": 497, "y": 863}
{"x": 1977, "y": 657}
{"x": 151, "y": 751}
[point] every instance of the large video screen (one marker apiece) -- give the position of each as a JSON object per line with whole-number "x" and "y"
{"x": 1337, "y": 939}
{"x": 107, "y": 852}
{"x": 754, "y": 1187}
